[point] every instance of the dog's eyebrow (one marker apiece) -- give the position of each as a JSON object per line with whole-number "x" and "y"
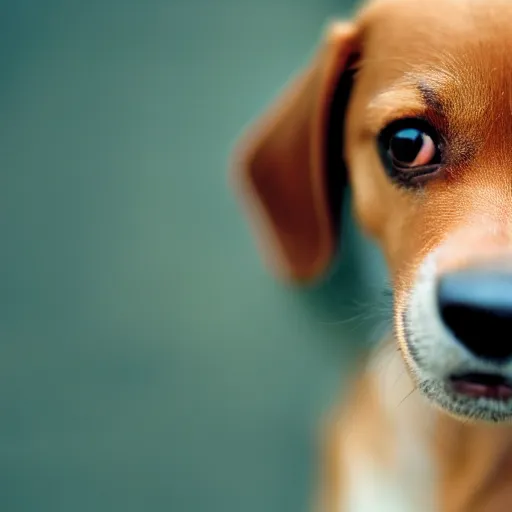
{"x": 413, "y": 96}
{"x": 431, "y": 98}
{"x": 402, "y": 100}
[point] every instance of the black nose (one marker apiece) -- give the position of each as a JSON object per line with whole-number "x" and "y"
{"x": 476, "y": 306}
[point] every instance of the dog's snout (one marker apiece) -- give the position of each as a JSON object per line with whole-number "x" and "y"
{"x": 476, "y": 306}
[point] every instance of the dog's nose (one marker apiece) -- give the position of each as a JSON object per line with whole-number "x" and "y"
{"x": 476, "y": 306}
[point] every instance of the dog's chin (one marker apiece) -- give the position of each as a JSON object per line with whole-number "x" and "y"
{"x": 441, "y": 394}
{"x": 435, "y": 382}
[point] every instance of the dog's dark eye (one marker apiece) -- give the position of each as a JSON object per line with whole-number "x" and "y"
{"x": 409, "y": 149}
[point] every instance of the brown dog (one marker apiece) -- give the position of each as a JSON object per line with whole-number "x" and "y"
{"x": 411, "y": 104}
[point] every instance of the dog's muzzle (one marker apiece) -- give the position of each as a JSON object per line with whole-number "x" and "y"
{"x": 475, "y": 306}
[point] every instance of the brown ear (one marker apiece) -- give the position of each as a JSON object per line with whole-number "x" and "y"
{"x": 291, "y": 168}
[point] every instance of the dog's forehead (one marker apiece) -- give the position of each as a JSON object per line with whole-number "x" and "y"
{"x": 458, "y": 50}
{"x": 451, "y": 12}
{"x": 459, "y": 36}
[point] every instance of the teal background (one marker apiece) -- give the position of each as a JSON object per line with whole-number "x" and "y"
{"x": 147, "y": 359}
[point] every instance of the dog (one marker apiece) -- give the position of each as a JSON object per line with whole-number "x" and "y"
{"x": 410, "y": 105}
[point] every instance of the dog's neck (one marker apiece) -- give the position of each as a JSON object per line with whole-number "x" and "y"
{"x": 474, "y": 465}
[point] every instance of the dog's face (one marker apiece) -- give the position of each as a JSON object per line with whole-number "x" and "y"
{"x": 429, "y": 152}
{"x": 428, "y": 148}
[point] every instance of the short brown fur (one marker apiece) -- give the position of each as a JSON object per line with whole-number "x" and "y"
{"x": 451, "y": 62}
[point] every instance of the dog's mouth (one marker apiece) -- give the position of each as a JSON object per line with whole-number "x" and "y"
{"x": 482, "y": 385}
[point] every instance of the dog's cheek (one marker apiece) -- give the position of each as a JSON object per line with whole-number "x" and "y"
{"x": 371, "y": 191}
{"x": 384, "y": 211}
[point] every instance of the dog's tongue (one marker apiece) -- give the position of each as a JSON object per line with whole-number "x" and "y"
{"x": 478, "y": 390}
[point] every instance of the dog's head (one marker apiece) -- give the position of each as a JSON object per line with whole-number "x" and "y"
{"x": 411, "y": 105}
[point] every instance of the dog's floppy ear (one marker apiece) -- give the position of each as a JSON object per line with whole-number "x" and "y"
{"x": 291, "y": 168}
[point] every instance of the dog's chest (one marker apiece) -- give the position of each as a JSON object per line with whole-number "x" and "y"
{"x": 374, "y": 487}
{"x": 388, "y": 466}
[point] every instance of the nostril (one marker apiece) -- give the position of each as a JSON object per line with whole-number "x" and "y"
{"x": 474, "y": 327}
{"x": 476, "y": 307}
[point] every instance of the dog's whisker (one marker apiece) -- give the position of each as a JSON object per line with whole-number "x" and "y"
{"x": 406, "y": 396}
{"x": 362, "y": 315}
{"x": 399, "y": 377}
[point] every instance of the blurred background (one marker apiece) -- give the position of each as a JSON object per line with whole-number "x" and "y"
{"x": 148, "y": 361}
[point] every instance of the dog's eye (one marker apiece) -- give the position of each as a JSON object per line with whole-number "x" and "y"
{"x": 409, "y": 149}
